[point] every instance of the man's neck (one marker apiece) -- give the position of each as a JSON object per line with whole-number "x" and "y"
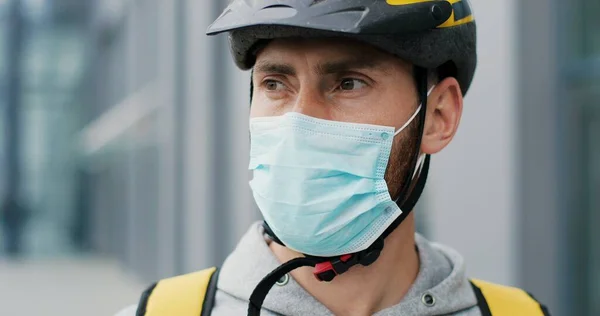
{"x": 365, "y": 290}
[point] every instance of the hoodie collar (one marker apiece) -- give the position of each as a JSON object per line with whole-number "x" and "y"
{"x": 441, "y": 275}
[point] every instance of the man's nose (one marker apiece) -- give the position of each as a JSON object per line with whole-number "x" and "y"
{"x": 312, "y": 103}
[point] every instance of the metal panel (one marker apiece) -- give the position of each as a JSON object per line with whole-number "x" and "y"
{"x": 471, "y": 197}
{"x": 542, "y": 191}
{"x": 199, "y": 240}
{"x": 167, "y": 212}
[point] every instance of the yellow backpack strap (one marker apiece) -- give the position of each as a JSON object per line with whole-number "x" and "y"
{"x": 498, "y": 300}
{"x": 186, "y": 295}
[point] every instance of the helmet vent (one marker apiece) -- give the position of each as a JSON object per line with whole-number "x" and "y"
{"x": 315, "y": 2}
{"x": 276, "y": 11}
{"x": 277, "y": 6}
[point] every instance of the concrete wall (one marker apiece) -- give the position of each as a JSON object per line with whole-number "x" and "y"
{"x": 472, "y": 182}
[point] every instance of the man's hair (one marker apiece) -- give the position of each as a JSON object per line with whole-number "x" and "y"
{"x": 433, "y": 78}
{"x": 444, "y": 71}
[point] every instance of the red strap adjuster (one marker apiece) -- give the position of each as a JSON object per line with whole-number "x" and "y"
{"x": 326, "y": 271}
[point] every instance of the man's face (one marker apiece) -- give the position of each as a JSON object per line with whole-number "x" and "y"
{"x": 340, "y": 80}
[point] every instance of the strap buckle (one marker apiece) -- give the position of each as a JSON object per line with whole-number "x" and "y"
{"x": 326, "y": 271}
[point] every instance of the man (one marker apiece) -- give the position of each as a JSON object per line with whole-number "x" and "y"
{"x": 349, "y": 100}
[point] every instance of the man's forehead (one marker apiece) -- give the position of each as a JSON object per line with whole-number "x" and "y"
{"x": 323, "y": 51}
{"x": 329, "y": 46}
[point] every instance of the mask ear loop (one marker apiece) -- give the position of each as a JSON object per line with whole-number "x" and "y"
{"x": 413, "y": 117}
{"x": 420, "y": 164}
{"x": 421, "y": 160}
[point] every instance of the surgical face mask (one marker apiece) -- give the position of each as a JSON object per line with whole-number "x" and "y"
{"x": 320, "y": 184}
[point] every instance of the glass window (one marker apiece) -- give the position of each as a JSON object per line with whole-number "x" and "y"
{"x": 582, "y": 42}
{"x": 591, "y": 25}
{"x": 2, "y": 49}
{"x": 593, "y": 204}
{"x": 591, "y": 130}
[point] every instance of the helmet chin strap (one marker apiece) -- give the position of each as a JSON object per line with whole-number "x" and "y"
{"x": 327, "y": 268}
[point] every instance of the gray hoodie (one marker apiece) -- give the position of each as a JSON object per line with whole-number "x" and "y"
{"x": 441, "y": 275}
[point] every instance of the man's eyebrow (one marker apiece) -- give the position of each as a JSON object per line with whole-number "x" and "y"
{"x": 272, "y": 67}
{"x": 345, "y": 65}
{"x": 326, "y": 68}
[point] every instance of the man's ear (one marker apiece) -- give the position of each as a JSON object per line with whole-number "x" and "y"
{"x": 444, "y": 110}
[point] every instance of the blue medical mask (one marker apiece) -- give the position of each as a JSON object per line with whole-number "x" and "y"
{"x": 320, "y": 184}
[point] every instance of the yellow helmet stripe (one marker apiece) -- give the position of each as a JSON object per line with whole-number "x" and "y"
{"x": 461, "y": 12}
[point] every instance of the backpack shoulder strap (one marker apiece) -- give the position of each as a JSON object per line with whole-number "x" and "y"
{"x": 185, "y": 295}
{"x": 499, "y": 300}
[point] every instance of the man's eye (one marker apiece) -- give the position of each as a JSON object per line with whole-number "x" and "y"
{"x": 273, "y": 85}
{"x": 349, "y": 84}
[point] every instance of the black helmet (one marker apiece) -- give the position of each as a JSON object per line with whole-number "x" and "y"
{"x": 430, "y": 34}
{"x": 427, "y": 33}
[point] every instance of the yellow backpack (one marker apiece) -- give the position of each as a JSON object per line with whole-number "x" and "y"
{"x": 194, "y": 295}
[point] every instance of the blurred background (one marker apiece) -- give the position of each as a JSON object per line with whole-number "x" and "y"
{"x": 123, "y": 152}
